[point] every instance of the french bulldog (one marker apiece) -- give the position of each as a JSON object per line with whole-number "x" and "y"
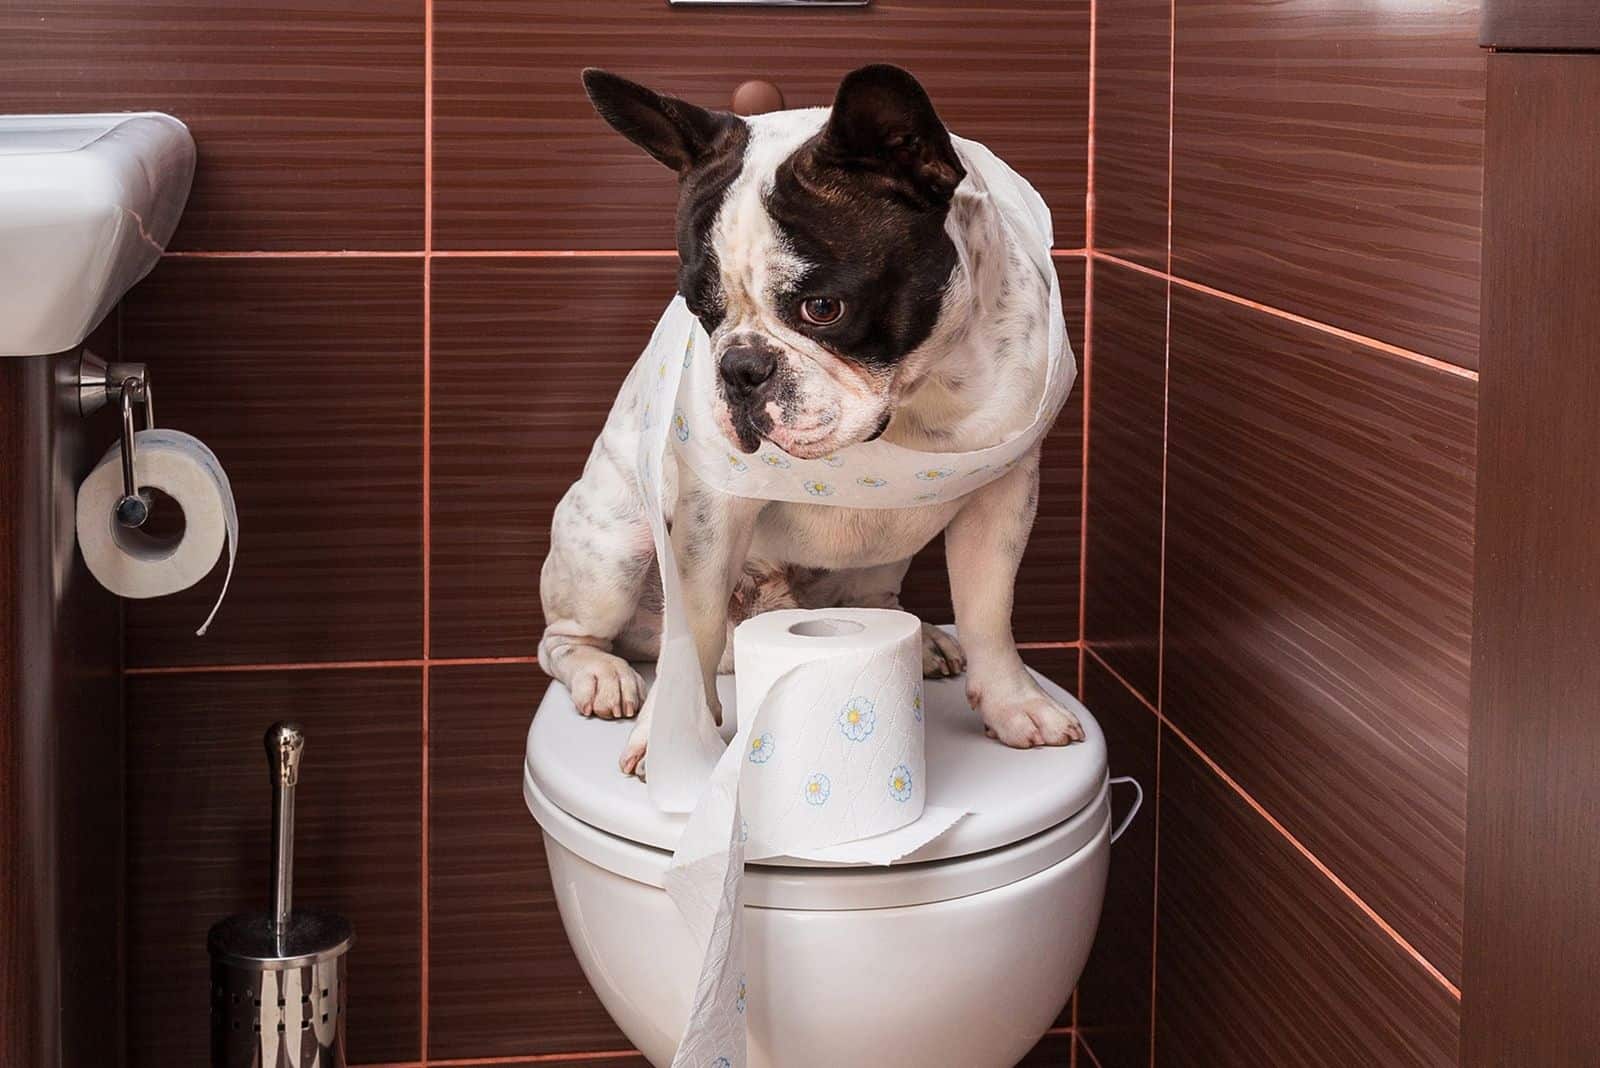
{"x": 854, "y": 285}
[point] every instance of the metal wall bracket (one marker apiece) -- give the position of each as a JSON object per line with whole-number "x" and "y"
{"x": 129, "y": 383}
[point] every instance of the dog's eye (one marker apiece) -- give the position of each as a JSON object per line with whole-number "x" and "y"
{"x": 821, "y": 311}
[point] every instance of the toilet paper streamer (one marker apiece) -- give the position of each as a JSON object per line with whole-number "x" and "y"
{"x": 827, "y": 764}
{"x": 129, "y": 562}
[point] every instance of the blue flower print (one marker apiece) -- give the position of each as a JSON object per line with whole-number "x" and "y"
{"x": 722, "y": 1062}
{"x": 743, "y": 993}
{"x": 645, "y": 420}
{"x": 744, "y": 831}
{"x": 816, "y": 789}
{"x": 818, "y": 489}
{"x": 772, "y": 460}
{"x": 934, "y": 474}
{"x": 916, "y": 707}
{"x": 857, "y": 718}
{"x": 761, "y": 749}
{"x": 872, "y": 483}
{"x": 736, "y": 465}
{"x": 688, "y": 350}
{"x": 833, "y": 460}
{"x": 680, "y": 426}
{"x": 926, "y": 497}
{"x": 900, "y": 783}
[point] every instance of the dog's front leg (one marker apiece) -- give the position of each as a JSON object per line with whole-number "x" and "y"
{"x": 711, "y": 534}
{"x": 984, "y": 544}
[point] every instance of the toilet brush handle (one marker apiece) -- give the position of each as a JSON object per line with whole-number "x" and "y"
{"x": 285, "y": 742}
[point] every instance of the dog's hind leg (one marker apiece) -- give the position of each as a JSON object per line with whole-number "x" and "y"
{"x": 600, "y": 555}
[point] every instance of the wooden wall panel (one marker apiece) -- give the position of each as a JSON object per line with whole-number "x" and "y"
{"x": 1541, "y": 25}
{"x": 1532, "y": 961}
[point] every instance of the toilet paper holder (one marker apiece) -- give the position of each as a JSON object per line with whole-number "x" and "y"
{"x": 129, "y": 383}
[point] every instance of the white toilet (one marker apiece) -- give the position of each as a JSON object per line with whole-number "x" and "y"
{"x": 960, "y": 956}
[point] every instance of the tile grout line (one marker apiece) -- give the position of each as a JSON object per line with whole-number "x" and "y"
{"x": 1087, "y": 1049}
{"x": 409, "y": 662}
{"x": 1088, "y": 340}
{"x": 1161, "y": 552}
{"x": 331, "y": 665}
{"x": 1088, "y": 357}
{"x": 425, "y": 905}
{"x": 1340, "y": 332}
{"x": 1300, "y": 847}
{"x": 460, "y": 253}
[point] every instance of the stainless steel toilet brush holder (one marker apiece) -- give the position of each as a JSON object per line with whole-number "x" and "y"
{"x": 278, "y": 978}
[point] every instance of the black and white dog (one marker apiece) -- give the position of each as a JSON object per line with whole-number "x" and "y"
{"x": 853, "y": 287}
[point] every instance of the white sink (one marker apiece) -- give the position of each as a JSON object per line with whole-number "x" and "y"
{"x": 87, "y": 204}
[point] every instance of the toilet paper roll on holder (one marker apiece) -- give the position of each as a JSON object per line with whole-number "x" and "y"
{"x": 129, "y": 383}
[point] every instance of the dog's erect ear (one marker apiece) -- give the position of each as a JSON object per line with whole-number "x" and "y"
{"x": 883, "y": 122}
{"x": 675, "y": 132}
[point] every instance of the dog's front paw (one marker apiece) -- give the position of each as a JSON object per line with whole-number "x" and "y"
{"x": 1023, "y": 716}
{"x": 604, "y": 685}
{"x": 941, "y": 654}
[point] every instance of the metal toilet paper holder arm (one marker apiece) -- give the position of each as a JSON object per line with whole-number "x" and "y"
{"x": 98, "y": 383}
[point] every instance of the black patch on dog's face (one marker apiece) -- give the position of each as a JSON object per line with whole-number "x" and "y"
{"x": 700, "y": 196}
{"x": 887, "y": 261}
{"x": 864, "y": 204}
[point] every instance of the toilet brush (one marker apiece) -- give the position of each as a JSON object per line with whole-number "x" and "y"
{"x": 278, "y": 978}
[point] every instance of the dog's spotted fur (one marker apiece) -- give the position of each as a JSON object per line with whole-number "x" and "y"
{"x": 940, "y": 349}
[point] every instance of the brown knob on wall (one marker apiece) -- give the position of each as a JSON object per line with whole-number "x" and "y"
{"x": 757, "y": 97}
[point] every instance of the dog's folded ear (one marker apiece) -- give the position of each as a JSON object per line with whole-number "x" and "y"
{"x": 675, "y": 132}
{"x": 883, "y": 122}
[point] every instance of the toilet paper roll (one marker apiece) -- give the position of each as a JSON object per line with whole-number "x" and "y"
{"x": 827, "y": 764}
{"x": 131, "y": 563}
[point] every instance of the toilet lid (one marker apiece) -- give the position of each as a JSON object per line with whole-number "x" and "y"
{"x": 1010, "y": 794}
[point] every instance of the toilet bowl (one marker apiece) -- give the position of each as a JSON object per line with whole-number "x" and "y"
{"x": 961, "y": 955}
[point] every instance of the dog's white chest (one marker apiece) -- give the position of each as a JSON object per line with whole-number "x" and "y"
{"x": 819, "y": 536}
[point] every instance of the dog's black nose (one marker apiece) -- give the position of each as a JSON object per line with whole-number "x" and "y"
{"x": 746, "y": 367}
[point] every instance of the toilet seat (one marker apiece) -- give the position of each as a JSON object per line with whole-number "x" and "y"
{"x": 1029, "y": 809}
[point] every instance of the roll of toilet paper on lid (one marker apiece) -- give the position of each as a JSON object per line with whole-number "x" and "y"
{"x": 131, "y": 563}
{"x": 838, "y": 754}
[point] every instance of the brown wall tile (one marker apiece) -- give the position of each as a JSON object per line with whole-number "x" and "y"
{"x": 1114, "y": 993}
{"x": 1261, "y": 961}
{"x": 1047, "y": 583}
{"x": 308, "y": 116}
{"x": 1122, "y": 608}
{"x": 1328, "y": 161}
{"x": 199, "y": 841}
{"x": 1133, "y": 53}
{"x": 522, "y": 161}
{"x": 528, "y": 356}
{"x": 1319, "y": 592}
{"x": 1053, "y": 1051}
{"x": 1533, "y": 859}
{"x": 305, "y": 378}
{"x": 503, "y": 980}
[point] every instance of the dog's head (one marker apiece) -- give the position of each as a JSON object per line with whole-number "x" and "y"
{"x": 812, "y": 246}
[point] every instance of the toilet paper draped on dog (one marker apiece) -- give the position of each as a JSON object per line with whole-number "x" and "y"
{"x": 770, "y": 792}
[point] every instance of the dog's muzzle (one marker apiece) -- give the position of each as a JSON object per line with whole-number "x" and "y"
{"x": 746, "y": 372}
